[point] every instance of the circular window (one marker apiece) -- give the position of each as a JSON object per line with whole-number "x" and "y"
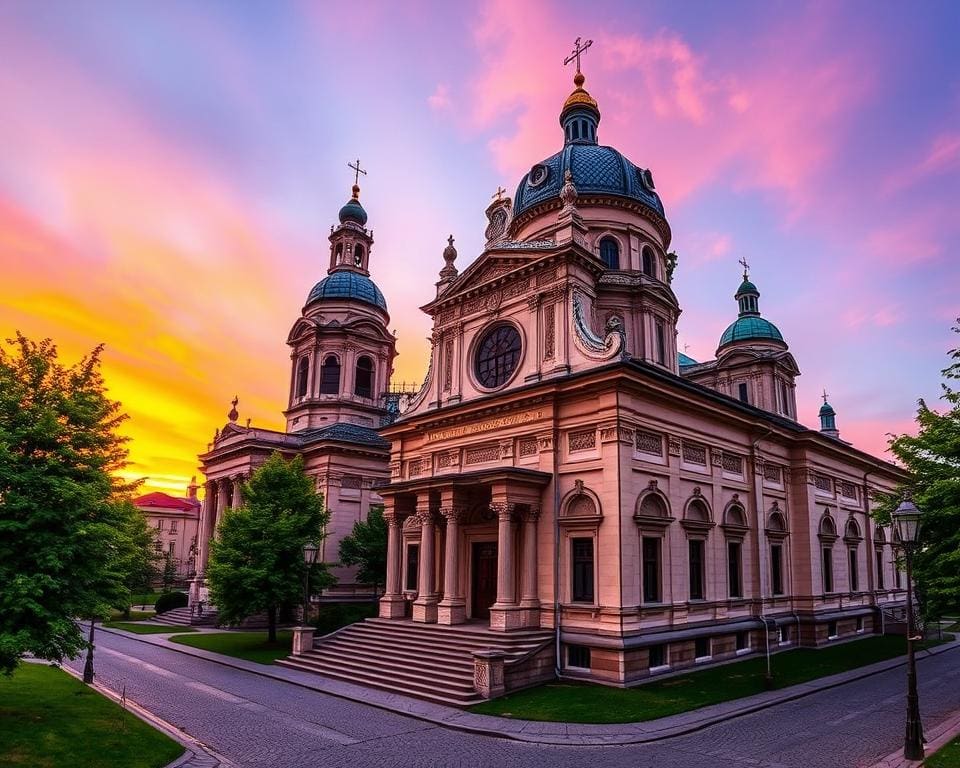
{"x": 498, "y": 355}
{"x": 538, "y": 175}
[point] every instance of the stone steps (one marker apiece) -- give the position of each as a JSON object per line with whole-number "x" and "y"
{"x": 427, "y": 661}
{"x": 182, "y": 617}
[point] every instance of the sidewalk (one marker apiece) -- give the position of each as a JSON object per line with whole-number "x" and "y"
{"x": 936, "y": 738}
{"x": 536, "y": 732}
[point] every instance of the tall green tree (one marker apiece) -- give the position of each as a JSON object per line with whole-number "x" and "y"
{"x": 256, "y": 562}
{"x": 933, "y": 458}
{"x": 60, "y": 544}
{"x": 366, "y": 547}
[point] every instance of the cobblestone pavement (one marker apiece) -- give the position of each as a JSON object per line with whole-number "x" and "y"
{"x": 255, "y": 721}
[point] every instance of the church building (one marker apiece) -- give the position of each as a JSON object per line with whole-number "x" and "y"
{"x": 567, "y": 494}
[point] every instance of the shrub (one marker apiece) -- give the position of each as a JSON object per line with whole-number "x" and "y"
{"x": 169, "y": 600}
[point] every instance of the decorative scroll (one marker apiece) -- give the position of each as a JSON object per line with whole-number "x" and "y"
{"x": 448, "y": 365}
{"x": 589, "y": 343}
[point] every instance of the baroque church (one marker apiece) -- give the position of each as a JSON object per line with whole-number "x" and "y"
{"x": 567, "y": 494}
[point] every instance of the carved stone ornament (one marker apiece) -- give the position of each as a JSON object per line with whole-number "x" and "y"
{"x": 652, "y": 485}
{"x": 591, "y": 345}
{"x": 578, "y": 484}
{"x": 674, "y": 446}
{"x": 503, "y": 510}
{"x": 568, "y": 193}
{"x": 696, "y": 492}
{"x": 545, "y": 442}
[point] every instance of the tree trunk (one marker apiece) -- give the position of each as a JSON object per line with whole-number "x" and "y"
{"x": 88, "y": 665}
{"x": 272, "y": 624}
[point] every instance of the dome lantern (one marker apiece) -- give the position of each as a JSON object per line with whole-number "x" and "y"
{"x": 749, "y": 325}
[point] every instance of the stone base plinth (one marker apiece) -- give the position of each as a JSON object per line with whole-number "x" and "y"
{"x": 453, "y": 612}
{"x": 488, "y": 679}
{"x": 392, "y": 607}
{"x": 504, "y": 618}
{"x": 303, "y": 640}
{"x": 425, "y": 611}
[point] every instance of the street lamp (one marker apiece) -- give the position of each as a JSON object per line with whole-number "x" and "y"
{"x": 310, "y": 552}
{"x": 907, "y": 519}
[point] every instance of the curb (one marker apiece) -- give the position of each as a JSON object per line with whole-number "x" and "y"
{"x": 939, "y": 737}
{"x": 196, "y": 754}
{"x": 549, "y": 733}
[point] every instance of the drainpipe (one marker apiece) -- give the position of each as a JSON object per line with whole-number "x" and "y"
{"x": 556, "y": 541}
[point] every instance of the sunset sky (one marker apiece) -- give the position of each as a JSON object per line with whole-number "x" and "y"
{"x": 170, "y": 171}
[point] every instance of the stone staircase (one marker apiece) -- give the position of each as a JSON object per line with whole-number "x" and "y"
{"x": 427, "y": 661}
{"x": 181, "y": 617}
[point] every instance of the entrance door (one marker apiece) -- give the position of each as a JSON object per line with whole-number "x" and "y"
{"x": 484, "y": 578}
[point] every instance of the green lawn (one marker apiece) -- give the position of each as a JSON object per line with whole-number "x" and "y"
{"x": 116, "y": 615}
{"x": 146, "y": 629}
{"x": 946, "y": 757}
{"x": 51, "y": 720}
{"x": 585, "y": 703}
{"x": 252, "y": 646}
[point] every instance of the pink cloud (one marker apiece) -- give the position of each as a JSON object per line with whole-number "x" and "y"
{"x": 942, "y": 156}
{"x": 439, "y": 100}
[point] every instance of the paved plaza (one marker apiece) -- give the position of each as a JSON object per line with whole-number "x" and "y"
{"x": 257, "y": 721}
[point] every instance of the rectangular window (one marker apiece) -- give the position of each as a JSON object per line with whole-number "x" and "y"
{"x": 784, "y": 635}
{"x": 658, "y": 656}
{"x": 578, "y": 656}
{"x": 880, "y": 569}
{"x": 776, "y": 569}
{"x": 742, "y": 393}
{"x": 743, "y": 641}
{"x": 860, "y": 624}
{"x": 696, "y": 549}
{"x": 159, "y": 525}
{"x": 832, "y": 630}
{"x": 701, "y": 648}
{"x": 897, "y": 576}
{"x": 651, "y": 570}
{"x": 827, "y": 569}
{"x": 158, "y": 547}
{"x": 854, "y": 569}
{"x": 173, "y": 526}
{"x": 734, "y": 569}
{"x": 582, "y": 550}
{"x": 661, "y": 342}
{"x": 413, "y": 566}
{"x": 171, "y": 545}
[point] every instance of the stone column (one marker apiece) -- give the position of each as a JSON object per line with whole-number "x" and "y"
{"x": 221, "y": 503}
{"x": 505, "y": 613}
{"x": 529, "y": 594}
{"x": 425, "y": 606}
{"x": 453, "y": 608}
{"x": 237, "y": 495}
{"x": 209, "y": 522}
{"x": 392, "y": 603}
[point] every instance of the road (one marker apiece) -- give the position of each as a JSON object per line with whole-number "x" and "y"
{"x": 257, "y": 721}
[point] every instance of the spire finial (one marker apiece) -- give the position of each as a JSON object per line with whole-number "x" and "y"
{"x": 356, "y": 177}
{"x": 746, "y": 268}
{"x": 824, "y": 396}
{"x": 578, "y": 50}
{"x": 498, "y": 195}
{"x": 233, "y": 415}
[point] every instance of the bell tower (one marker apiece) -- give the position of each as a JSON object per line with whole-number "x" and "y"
{"x": 350, "y": 243}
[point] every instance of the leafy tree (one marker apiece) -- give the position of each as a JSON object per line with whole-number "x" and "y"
{"x": 256, "y": 563}
{"x": 61, "y": 542}
{"x": 933, "y": 459}
{"x": 366, "y": 547}
{"x": 169, "y": 571}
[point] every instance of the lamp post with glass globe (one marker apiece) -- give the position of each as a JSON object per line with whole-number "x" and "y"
{"x": 907, "y": 519}
{"x": 310, "y": 552}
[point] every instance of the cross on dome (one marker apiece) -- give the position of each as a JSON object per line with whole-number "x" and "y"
{"x": 746, "y": 268}
{"x": 824, "y": 396}
{"x": 578, "y": 50}
{"x": 357, "y": 170}
{"x": 498, "y": 195}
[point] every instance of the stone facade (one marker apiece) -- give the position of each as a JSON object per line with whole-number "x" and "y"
{"x": 175, "y": 522}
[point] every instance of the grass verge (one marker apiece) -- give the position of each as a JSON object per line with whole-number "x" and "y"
{"x": 48, "y": 719}
{"x": 116, "y": 615}
{"x": 146, "y": 629}
{"x": 585, "y": 703}
{"x": 252, "y": 646}
{"x": 948, "y": 756}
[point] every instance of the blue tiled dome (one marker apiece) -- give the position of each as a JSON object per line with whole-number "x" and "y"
{"x": 595, "y": 169}
{"x": 348, "y": 285}
{"x": 750, "y": 327}
{"x": 685, "y": 360}
{"x": 353, "y": 211}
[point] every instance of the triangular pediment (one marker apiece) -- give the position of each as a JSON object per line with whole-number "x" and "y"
{"x": 750, "y": 356}
{"x": 303, "y": 327}
{"x": 485, "y": 271}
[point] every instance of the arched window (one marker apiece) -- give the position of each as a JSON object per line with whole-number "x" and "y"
{"x": 358, "y": 255}
{"x": 649, "y": 263}
{"x": 610, "y": 253}
{"x": 303, "y": 369}
{"x": 330, "y": 376}
{"x": 697, "y": 510}
{"x": 363, "y": 385}
{"x": 338, "y": 253}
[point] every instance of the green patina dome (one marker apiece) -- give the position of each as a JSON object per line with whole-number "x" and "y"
{"x": 751, "y": 327}
{"x": 746, "y": 287}
{"x": 827, "y": 410}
